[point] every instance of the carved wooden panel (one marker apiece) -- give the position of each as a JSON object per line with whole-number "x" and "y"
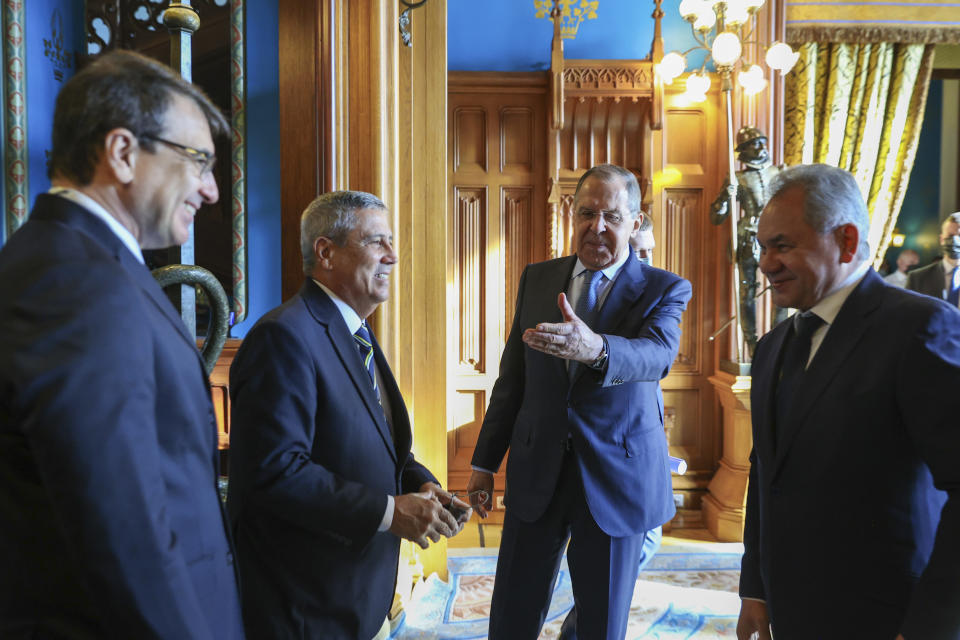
{"x": 681, "y": 252}
{"x": 469, "y": 139}
{"x": 516, "y": 139}
{"x": 686, "y": 150}
{"x": 517, "y": 208}
{"x": 470, "y": 247}
{"x": 563, "y": 241}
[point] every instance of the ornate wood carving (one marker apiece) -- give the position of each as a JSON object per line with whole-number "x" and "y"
{"x": 517, "y": 234}
{"x": 621, "y": 78}
{"x": 469, "y": 229}
{"x": 681, "y": 253}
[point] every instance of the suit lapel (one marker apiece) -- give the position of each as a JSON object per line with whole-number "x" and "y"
{"x": 842, "y": 337}
{"x": 541, "y": 295}
{"x": 327, "y": 315}
{"x": 763, "y": 378}
{"x": 66, "y": 212}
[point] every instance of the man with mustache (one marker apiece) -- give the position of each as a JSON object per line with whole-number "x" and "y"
{"x": 846, "y": 535}
{"x": 942, "y": 278}
{"x": 323, "y": 484}
{"x": 579, "y": 406}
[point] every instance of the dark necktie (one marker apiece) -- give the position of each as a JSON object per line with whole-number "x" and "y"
{"x": 587, "y": 299}
{"x": 953, "y": 294}
{"x": 796, "y": 352}
{"x": 365, "y": 345}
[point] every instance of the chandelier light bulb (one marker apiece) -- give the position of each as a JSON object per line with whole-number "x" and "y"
{"x": 705, "y": 19}
{"x": 697, "y": 86}
{"x": 690, "y": 8}
{"x": 752, "y": 80}
{"x": 781, "y": 57}
{"x": 736, "y": 13}
{"x": 671, "y": 66}
{"x": 726, "y": 49}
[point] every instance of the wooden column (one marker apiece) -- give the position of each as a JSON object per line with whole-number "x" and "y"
{"x": 724, "y": 505}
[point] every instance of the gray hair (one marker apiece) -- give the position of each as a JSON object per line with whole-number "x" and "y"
{"x": 332, "y": 215}
{"x": 831, "y": 199}
{"x": 609, "y": 173}
{"x": 647, "y": 224}
{"x": 953, "y": 217}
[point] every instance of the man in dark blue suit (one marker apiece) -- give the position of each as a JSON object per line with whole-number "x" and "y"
{"x": 323, "y": 484}
{"x": 579, "y": 406}
{"x": 112, "y": 525}
{"x": 854, "y": 431}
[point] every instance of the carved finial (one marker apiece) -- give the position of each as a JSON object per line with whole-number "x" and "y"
{"x": 180, "y": 16}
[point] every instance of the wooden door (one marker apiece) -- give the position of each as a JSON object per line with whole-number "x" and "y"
{"x": 497, "y": 226}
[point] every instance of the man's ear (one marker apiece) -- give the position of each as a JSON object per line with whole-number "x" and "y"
{"x": 848, "y": 237}
{"x": 121, "y": 149}
{"x": 323, "y": 249}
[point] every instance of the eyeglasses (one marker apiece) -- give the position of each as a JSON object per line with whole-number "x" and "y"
{"x": 611, "y": 218}
{"x": 203, "y": 160}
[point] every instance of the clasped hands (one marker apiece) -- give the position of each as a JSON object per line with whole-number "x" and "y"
{"x": 422, "y": 516}
{"x": 571, "y": 339}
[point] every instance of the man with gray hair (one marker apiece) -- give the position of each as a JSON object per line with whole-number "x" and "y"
{"x": 847, "y": 535}
{"x": 323, "y": 484}
{"x": 579, "y": 406}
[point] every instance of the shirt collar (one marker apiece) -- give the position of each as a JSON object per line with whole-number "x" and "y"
{"x": 830, "y": 305}
{"x": 94, "y": 207}
{"x": 610, "y": 272}
{"x": 948, "y": 266}
{"x": 350, "y": 317}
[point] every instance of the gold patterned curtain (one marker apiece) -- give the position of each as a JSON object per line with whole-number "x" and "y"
{"x": 860, "y": 107}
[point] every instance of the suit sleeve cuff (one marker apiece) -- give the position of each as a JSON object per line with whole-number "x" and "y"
{"x": 387, "y": 516}
{"x": 481, "y": 469}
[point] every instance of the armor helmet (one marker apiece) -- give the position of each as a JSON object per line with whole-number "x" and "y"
{"x": 748, "y": 134}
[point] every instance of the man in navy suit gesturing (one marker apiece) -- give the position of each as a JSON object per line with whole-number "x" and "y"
{"x": 854, "y": 431}
{"x": 111, "y": 522}
{"x": 579, "y": 406}
{"x": 322, "y": 481}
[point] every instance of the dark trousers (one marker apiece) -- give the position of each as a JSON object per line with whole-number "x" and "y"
{"x": 602, "y": 568}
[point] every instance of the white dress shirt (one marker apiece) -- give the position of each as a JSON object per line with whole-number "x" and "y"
{"x": 829, "y": 306}
{"x": 948, "y": 266}
{"x": 95, "y": 208}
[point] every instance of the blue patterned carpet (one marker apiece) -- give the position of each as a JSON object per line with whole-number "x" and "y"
{"x": 688, "y": 591}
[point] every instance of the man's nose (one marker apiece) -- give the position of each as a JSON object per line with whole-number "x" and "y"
{"x": 208, "y": 188}
{"x": 767, "y": 263}
{"x": 391, "y": 256}
{"x": 598, "y": 225}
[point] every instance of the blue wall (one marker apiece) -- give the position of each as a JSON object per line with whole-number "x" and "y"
{"x": 263, "y": 164}
{"x": 920, "y": 214}
{"x": 506, "y": 35}
{"x": 53, "y": 33}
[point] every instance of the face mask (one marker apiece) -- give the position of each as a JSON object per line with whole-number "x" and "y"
{"x": 645, "y": 261}
{"x": 951, "y": 247}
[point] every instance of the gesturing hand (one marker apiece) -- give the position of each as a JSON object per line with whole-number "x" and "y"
{"x": 571, "y": 339}
{"x": 420, "y": 517}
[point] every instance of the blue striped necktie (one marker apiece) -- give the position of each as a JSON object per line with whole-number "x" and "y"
{"x": 587, "y": 299}
{"x": 365, "y": 345}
